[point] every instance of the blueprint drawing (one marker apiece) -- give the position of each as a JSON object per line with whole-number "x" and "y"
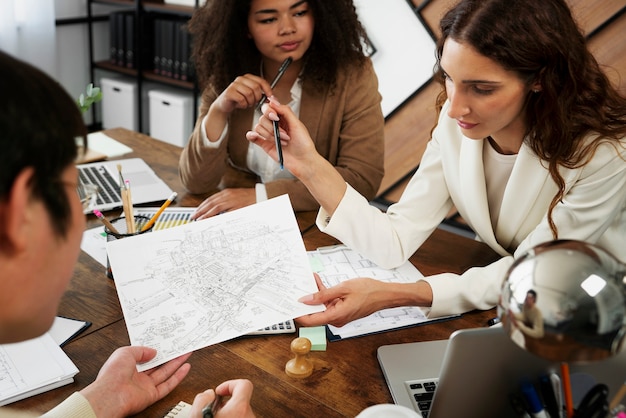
{"x": 338, "y": 263}
{"x": 205, "y": 282}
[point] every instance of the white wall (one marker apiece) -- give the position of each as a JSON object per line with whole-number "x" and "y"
{"x": 72, "y": 46}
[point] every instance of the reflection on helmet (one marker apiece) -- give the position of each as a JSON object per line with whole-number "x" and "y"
{"x": 564, "y": 300}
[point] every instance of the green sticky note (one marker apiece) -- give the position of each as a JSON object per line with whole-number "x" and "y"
{"x": 316, "y": 264}
{"x": 317, "y": 336}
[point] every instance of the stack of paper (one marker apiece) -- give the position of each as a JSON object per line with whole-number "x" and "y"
{"x": 31, "y": 367}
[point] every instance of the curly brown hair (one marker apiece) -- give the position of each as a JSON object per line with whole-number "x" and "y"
{"x": 541, "y": 42}
{"x": 222, "y": 49}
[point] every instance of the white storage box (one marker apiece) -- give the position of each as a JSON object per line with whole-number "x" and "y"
{"x": 119, "y": 103}
{"x": 171, "y": 116}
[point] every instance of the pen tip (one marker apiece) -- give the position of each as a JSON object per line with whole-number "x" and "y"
{"x": 97, "y": 213}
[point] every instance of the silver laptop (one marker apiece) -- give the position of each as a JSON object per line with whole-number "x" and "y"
{"x": 476, "y": 370}
{"x": 146, "y": 186}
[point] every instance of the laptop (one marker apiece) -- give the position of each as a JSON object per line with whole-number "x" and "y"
{"x": 146, "y": 186}
{"x": 475, "y": 371}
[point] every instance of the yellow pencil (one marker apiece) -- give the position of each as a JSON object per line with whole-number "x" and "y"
{"x": 131, "y": 211}
{"x": 159, "y": 212}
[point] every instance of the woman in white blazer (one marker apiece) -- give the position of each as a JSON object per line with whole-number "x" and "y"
{"x": 529, "y": 147}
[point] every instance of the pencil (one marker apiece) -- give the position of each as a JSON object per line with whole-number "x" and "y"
{"x": 126, "y": 208}
{"x": 105, "y": 221}
{"x": 567, "y": 390}
{"x": 279, "y": 147}
{"x": 129, "y": 202}
{"x": 211, "y": 409}
{"x": 279, "y": 74}
{"x": 159, "y": 212}
{"x": 618, "y": 397}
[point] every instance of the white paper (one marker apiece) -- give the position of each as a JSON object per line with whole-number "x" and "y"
{"x": 209, "y": 281}
{"x": 31, "y": 367}
{"x": 104, "y": 144}
{"x": 338, "y": 263}
{"x": 65, "y": 328}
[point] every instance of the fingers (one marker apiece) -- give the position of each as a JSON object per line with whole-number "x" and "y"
{"x": 200, "y": 401}
{"x": 247, "y": 90}
{"x": 319, "y": 282}
{"x": 240, "y": 389}
{"x": 140, "y": 353}
{"x": 167, "y": 376}
{"x": 224, "y": 201}
{"x": 324, "y": 296}
{"x": 316, "y": 319}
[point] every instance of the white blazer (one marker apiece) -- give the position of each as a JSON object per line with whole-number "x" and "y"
{"x": 451, "y": 172}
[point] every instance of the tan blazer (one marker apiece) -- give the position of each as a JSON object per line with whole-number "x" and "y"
{"x": 346, "y": 124}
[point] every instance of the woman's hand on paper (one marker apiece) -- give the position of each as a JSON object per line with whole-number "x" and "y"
{"x": 224, "y": 201}
{"x": 345, "y": 302}
{"x": 358, "y": 298}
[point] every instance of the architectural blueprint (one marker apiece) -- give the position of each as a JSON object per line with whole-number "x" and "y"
{"x": 339, "y": 263}
{"x": 205, "y": 282}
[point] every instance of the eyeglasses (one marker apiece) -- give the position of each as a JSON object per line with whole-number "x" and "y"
{"x": 88, "y": 194}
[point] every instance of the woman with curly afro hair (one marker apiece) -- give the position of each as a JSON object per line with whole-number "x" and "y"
{"x": 330, "y": 84}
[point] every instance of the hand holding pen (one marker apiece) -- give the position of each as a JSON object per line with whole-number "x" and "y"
{"x": 230, "y": 399}
{"x": 279, "y": 74}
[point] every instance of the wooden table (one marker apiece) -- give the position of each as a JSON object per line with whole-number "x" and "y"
{"x": 347, "y": 377}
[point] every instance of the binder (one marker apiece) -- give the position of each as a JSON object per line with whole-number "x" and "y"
{"x": 120, "y": 39}
{"x": 177, "y": 39}
{"x": 158, "y": 45}
{"x": 129, "y": 23}
{"x": 112, "y": 38}
{"x": 185, "y": 54}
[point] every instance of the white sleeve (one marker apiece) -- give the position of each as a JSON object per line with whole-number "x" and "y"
{"x": 76, "y": 406}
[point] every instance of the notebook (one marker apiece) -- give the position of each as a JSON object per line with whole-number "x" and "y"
{"x": 477, "y": 370}
{"x": 146, "y": 186}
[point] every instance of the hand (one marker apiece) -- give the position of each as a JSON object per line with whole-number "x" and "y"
{"x": 246, "y": 91}
{"x": 238, "y": 406}
{"x": 224, "y": 201}
{"x": 298, "y": 148}
{"x": 345, "y": 302}
{"x": 120, "y": 390}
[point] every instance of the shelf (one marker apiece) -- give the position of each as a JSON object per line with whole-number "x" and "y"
{"x": 147, "y": 75}
{"x": 144, "y": 12}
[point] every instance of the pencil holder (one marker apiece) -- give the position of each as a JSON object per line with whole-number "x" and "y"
{"x": 122, "y": 232}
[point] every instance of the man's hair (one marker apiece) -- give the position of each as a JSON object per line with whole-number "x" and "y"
{"x": 533, "y": 293}
{"x": 39, "y": 124}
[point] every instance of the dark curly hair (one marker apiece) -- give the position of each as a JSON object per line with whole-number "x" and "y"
{"x": 541, "y": 42}
{"x": 222, "y": 49}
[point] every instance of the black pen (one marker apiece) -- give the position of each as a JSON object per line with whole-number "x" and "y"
{"x": 281, "y": 71}
{"x": 493, "y": 321}
{"x": 279, "y": 147}
{"x": 211, "y": 409}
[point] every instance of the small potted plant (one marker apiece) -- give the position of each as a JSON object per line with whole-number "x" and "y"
{"x": 92, "y": 95}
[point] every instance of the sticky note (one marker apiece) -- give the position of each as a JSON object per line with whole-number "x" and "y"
{"x": 317, "y": 336}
